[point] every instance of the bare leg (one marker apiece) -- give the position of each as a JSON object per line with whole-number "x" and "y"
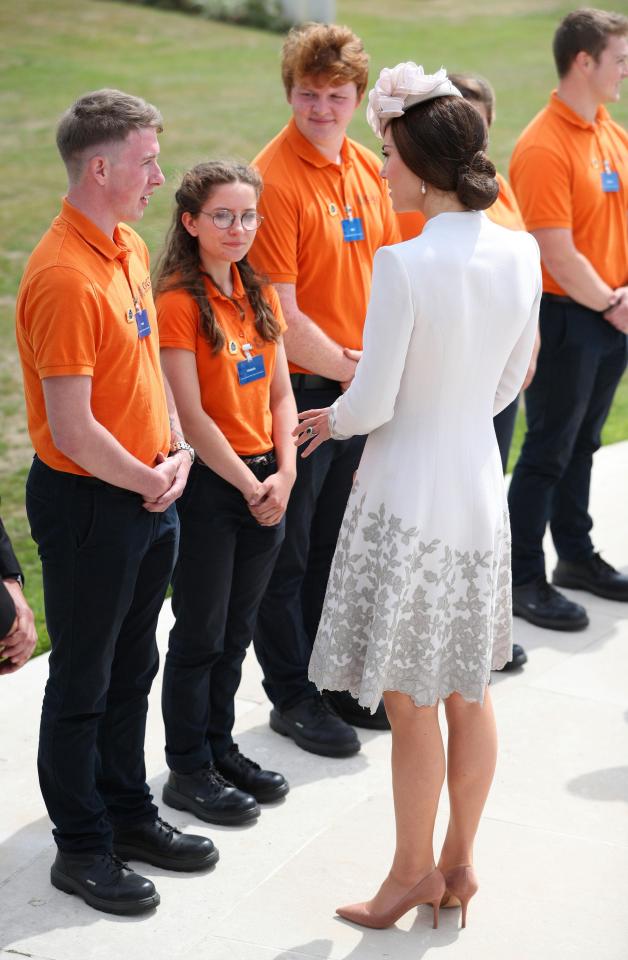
{"x": 471, "y": 757}
{"x": 418, "y": 772}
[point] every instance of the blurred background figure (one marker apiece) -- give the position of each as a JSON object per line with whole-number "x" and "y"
{"x": 18, "y": 635}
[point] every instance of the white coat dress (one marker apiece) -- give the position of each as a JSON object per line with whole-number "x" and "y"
{"x": 419, "y": 593}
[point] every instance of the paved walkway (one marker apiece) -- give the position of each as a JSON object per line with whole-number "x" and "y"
{"x": 552, "y": 851}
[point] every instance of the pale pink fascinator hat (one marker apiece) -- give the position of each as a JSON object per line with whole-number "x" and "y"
{"x": 401, "y": 87}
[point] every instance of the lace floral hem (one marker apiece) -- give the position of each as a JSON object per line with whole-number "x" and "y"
{"x": 410, "y": 614}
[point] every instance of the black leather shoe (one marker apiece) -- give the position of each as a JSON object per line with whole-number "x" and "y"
{"x": 264, "y": 785}
{"x": 104, "y": 882}
{"x": 314, "y": 727}
{"x": 594, "y": 575}
{"x": 156, "y": 842}
{"x": 538, "y": 603}
{"x": 351, "y": 712}
{"x": 210, "y": 797}
{"x": 519, "y": 657}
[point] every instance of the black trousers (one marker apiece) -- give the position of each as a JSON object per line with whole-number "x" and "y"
{"x": 224, "y": 565}
{"x": 291, "y": 608}
{"x": 504, "y": 424}
{"x": 581, "y": 361}
{"x": 106, "y": 564}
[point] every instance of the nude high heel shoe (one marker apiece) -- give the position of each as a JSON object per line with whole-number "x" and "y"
{"x": 431, "y": 889}
{"x": 461, "y": 884}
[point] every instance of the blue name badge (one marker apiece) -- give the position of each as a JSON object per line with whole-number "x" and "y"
{"x": 610, "y": 181}
{"x": 143, "y": 323}
{"x": 352, "y": 230}
{"x": 250, "y": 370}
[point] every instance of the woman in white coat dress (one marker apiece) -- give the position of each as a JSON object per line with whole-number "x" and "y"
{"x": 418, "y": 603}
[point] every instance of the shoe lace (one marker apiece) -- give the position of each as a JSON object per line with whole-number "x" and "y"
{"x": 211, "y": 774}
{"x": 241, "y": 760}
{"x": 166, "y": 827}
{"x": 114, "y": 864}
{"x": 321, "y": 709}
{"x": 547, "y": 592}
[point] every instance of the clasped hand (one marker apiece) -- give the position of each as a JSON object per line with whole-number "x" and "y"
{"x": 313, "y": 427}
{"x": 268, "y": 503}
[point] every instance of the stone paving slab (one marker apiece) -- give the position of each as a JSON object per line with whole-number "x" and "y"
{"x": 551, "y": 852}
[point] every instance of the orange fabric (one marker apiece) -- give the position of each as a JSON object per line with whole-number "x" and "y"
{"x": 242, "y": 413}
{"x": 411, "y": 224}
{"x": 73, "y": 311}
{"x": 556, "y": 172}
{"x": 301, "y": 241}
{"x": 505, "y": 212}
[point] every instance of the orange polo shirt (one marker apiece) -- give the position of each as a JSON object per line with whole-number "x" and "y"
{"x": 76, "y": 316}
{"x": 241, "y": 412}
{"x": 304, "y": 202}
{"x": 556, "y": 172}
{"x": 505, "y": 212}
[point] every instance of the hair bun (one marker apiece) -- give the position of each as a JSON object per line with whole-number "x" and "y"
{"x": 476, "y": 186}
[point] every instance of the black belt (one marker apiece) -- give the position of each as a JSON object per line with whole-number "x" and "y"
{"x": 261, "y": 460}
{"x": 311, "y": 381}
{"x": 555, "y": 298}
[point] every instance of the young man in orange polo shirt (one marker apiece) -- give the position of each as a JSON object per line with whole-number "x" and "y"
{"x": 100, "y": 501}
{"x": 569, "y": 171}
{"x": 326, "y": 212}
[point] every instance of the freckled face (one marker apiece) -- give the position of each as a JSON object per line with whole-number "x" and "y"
{"x": 323, "y": 112}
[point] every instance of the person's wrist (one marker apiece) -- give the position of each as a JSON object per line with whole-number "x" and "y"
{"x": 14, "y": 578}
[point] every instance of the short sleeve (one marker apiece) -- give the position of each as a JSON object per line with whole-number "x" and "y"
{"x": 64, "y": 323}
{"x": 275, "y": 250}
{"x": 541, "y": 180}
{"x": 273, "y": 301}
{"x": 177, "y": 320}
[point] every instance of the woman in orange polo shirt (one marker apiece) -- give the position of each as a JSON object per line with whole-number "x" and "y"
{"x": 220, "y": 330}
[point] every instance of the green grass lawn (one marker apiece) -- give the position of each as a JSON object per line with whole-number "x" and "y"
{"x": 220, "y": 93}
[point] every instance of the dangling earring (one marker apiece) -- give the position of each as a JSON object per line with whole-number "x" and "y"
{"x": 423, "y": 187}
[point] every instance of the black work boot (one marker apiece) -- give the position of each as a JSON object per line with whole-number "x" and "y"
{"x": 264, "y": 785}
{"x": 315, "y": 727}
{"x": 538, "y": 603}
{"x": 156, "y": 842}
{"x": 348, "y": 708}
{"x": 104, "y": 882}
{"x": 210, "y": 797}
{"x": 519, "y": 657}
{"x": 594, "y": 575}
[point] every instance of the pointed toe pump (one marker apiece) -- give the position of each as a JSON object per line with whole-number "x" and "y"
{"x": 431, "y": 889}
{"x": 461, "y": 883}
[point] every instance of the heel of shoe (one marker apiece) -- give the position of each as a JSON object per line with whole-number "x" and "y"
{"x": 60, "y": 881}
{"x": 436, "y": 908}
{"x": 464, "y": 904}
{"x": 462, "y": 884}
{"x": 171, "y": 798}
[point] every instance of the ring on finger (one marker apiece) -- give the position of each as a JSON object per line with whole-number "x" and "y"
{"x": 309, "y": 431}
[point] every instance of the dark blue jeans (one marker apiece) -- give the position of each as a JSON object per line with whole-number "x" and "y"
{"x": 291, "y": 608}
{"x": 581, "y": 361}
{"x": 224, "y": 565}
{"x": 106, "y": 564}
